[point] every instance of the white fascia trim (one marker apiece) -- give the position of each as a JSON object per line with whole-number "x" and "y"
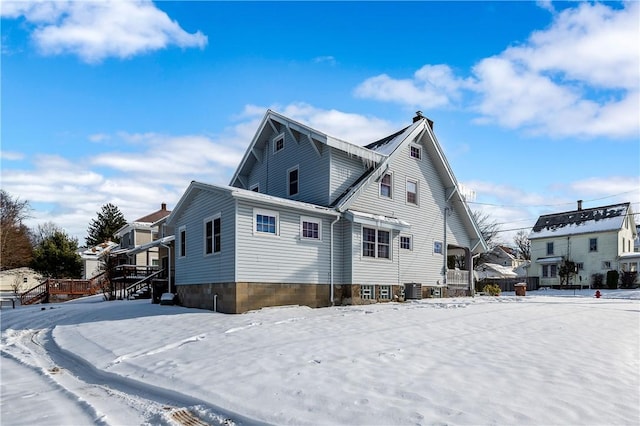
{"x": 281, "y": 202}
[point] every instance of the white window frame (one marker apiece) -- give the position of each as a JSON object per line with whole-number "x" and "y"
{"x": 206, "y": 220}
{"x": 411, "y": 151}
{"x": 384, "y": 292}
{"x": 595, "y": 248}
{"x": 292, "y": 169}
{"x": 270, "y": 213}
{"x": 437, "y": 247}
{"x": 277, "y": 139}
{"x": 606, "y": 264}
{"x": 390, "y": 196}
{"x": 410, "y": 239}
{"x": 309, "y": 219}
{"x": 377, "y": 244}
{"x": 550, "y": 248}
{"x": 182, "y": 233}
{"x": 367, "y": 292}
{"x": 406, "y": 196}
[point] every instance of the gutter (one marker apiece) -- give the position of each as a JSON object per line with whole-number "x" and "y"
{"x": 331, "y": 261}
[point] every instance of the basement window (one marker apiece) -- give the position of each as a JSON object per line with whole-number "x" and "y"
{"x": 367, "y": 292}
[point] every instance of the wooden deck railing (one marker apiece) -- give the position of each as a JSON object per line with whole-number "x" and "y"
{"x": 56, "y": 286}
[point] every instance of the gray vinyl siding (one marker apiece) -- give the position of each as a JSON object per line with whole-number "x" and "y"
{"x": 271, "y": 174}
{"x": 345, "y": 170}
{"x": 420, "y": 264}
{"x": 195, "y": 267}
{"x": 284, "y": 258}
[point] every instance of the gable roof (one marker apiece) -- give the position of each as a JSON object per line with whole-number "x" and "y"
{"x": 272, "y": 122}
{"x": 390, "y": 147}
{"x": 581, "y": 221}
{"x": 155, "y": 216}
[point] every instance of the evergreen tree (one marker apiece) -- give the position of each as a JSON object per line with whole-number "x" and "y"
{"x": 109, "y": 220}
{"x": 56, "y": 253}
{"x": 15, "y": 242}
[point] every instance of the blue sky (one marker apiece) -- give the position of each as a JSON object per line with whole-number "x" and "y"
{"x": 536, "y": 105}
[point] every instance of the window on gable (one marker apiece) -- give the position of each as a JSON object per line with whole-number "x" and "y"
{"x": 416, "y": 151}
{"x": 376, "y": 243}
{"x": 310, "y": 228}
{"x": 405, "y": 242}
{"x": 593, "y": 244}
{"x": 266, "y": 222}
{"x": 437, "y": 247}
{"x": 183, "y": 241}
{"x": 385, "y": 186}
{"x": 412, "y": 191}
{"x": 278, "y": 143}
{"x": 255, "y": 188}
{"x": 293, "y": 179}
{"x": 549, "y": 248}
{"x": 212, "y": 235}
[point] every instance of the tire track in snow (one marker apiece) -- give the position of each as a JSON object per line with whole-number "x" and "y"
{"x": 110, "y": 398}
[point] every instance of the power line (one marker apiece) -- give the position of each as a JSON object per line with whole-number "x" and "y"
{"x": 549, "y": 205}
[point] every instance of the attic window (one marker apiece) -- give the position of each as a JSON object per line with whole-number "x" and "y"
{"x": 385, "y": 186}
{"x": 278, "y": 143}
{"x": 415, "y": 152}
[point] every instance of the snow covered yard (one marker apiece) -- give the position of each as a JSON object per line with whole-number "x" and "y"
{"x": 550, "y": 358}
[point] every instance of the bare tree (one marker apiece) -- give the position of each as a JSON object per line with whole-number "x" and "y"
{"x": 523, "y": 244}
{"x": 15, "y": 245}
{"x": 489, "y": 229}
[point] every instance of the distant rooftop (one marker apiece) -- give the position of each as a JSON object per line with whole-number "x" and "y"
{"x": 596, "y": 219}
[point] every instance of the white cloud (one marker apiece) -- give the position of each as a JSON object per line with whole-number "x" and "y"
{"x": 11, "y": 155}
{"x": 96, "y": 30}
{"x": 432, "y": 86}
{"x": 354, "y": 128}
{"x": 325, "y": 60}
{"x": 151, "y": 168}
{"x": 578, "y": 77}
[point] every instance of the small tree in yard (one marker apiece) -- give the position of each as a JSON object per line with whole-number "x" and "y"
{"x": 566, "y": 271}
{"x": 523, "y": 244}
{"x": 15, "y": 239}
{"x": 612, "y": 279}
{"x": 628, "y": 279}
{"x": 55, "y": 254}
{"x": 597, "y": 280}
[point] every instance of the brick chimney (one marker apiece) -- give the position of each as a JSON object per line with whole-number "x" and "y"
{"x": 579, "y": 205}
{"x": 163, "y": 206}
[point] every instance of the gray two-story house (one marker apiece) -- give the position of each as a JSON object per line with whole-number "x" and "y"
{"x": 313, "y": 220}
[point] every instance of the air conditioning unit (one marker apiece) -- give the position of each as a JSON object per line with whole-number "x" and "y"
{"x": 412, "y": 291}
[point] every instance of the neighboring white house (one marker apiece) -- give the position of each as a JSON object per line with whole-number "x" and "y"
{"x": 19, "y": 280}
{"x": 314, "y": 220}
{"x": 596, "y": 240}
{"x": 92, "y": 258}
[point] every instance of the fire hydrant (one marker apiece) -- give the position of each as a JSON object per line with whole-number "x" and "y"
{"x": 598, "y": 294}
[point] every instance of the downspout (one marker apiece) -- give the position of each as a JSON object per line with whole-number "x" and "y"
{"x": 331, "y": 261}
{"x": 444, "y": 248}
{"x": 169, "y": 266}
{"x": 471, "y": 273}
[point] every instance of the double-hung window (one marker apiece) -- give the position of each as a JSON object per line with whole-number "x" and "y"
{"x": 385, "y": 186}
{"x": 278, "y": 143}
{"x": 376, "y": 243}
{"x": 415, "y": 152}
{"x": 265, "y": 222}
{"x": 412, "y": 191}
{"x": 405, "y": 242}
{"x": 310, "y": 228}
{"x": 549, "y": 271}
{"x": 593, "y": 244}
{"x": 549, "y": 248}
{"x": 212, "y": 235}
